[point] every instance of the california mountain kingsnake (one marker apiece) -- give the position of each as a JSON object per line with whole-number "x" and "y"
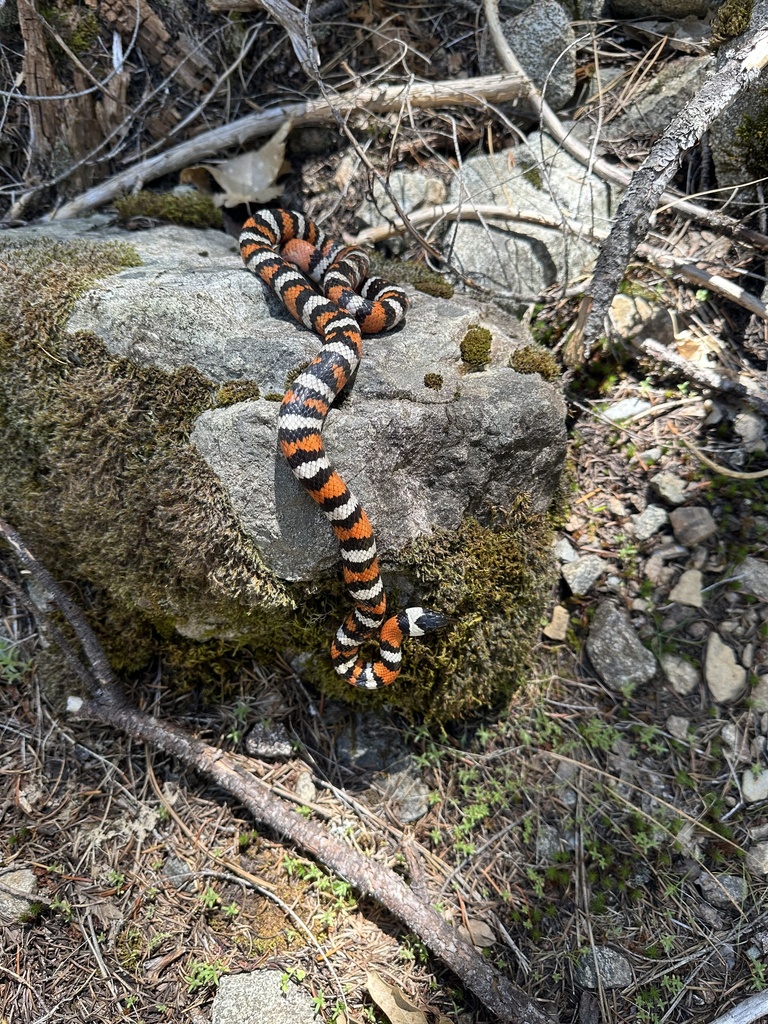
{"x": 273, "y": 244}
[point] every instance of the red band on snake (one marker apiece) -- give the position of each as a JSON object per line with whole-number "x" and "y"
{"x": 274, "y": 243}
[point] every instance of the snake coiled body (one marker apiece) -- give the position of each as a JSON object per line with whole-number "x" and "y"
{"x": 274, "y": 243}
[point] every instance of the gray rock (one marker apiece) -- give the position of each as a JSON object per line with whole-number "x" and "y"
{"x": 678, "y": 726}
{"x": 669, "y": 487}
{"x": 370, "y": 743}
{"x": 519, "y": 259}
{"x": 722, "y": 890}
{"x": 650, "y": 521}
{"x": 757, "y": 860}
{"x": 407, "y": 795}
{"x": 258, "y": 997}
{"x": 565, "y": 551}
{"x": 750, "y": 426}
{"x": 726, "y": 679}
{"x": 583, "y": 573}
{"x": 421, "y": 458}
{"x": 15, "y": 904}
{"x": 543, "y": 41}
{"x": 655, "y": 102}
{"x": 758, "y": 697}
{"x": 603, "y": 966}
{"x": 615, "y": 650}
{"x": 269, "y": 740}
{"x": 754, "y": 787}
{"x": 178, "y": 873}
{"x": 687, "y": 590}
{"x": 692, "y": 525}
{"x": 412, "y": 189}
{"x": 625, "y": 408}
{"x": 753, "y": 577}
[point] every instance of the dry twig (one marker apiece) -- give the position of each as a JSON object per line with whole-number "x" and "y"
{"x": 378, "y": 99}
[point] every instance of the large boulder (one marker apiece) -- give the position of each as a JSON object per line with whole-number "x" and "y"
{"x": 148, "y": 478}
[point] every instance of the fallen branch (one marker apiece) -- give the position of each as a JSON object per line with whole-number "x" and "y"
{"x": 648, "y": 183}
{"x": 734, "y": 474}
{"x": 747, "y": 1012}
{"x": 234, "y": 774}
{"x": 377, "y": 99}
{"x": 702, "y": 375}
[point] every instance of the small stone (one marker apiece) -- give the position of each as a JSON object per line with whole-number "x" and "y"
{"x": 583, "y": 573}
{"x": 619, "y": 657}
{"x": 692, "y": 525}
{"x": 748, "y": 655}
{"x": 668, "y": 487}
{"x": 754, "y": 788}
{"x": 649, "y": 456}
{"x": 736, "y": 747}
{"x": 617, "y": 508}
{"x": 657, "y": 572}
{"x": 753, "y": 577}
{"x": 757, "y": 860}
{"x": 678, "y": 727}
{"x": 687, "y": 590}
{"x": 611, "y": 968}
{"x": 268, "y": 741}
{"x": 305, "y": 789}
{"x": 557, "y": 629}
{"x": 723, "y": 890}
{"x": 565, "y": 551}
{"x": 758, "y": 698}
{"x": 258, "y": 996}
{"x": 13, "y": 906}
{"x": 408, "y": 796}
{"x": 749, "y": 426}
{"x": 726, "y": 679}
{"x": 649, "y": 522}
{"x": 547, "y": 842}
{"x": 178, "y": 873}
{"x": 626, "y": 408}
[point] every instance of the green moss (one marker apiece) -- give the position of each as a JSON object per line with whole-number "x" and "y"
{"x": 187, "y": 207}
{"x": 411, "y": 272}
{"x": 476, "y": 346}
{"x": 84, "y": 33}
{"x": 731, "y": 19}
{"x": 533, "y": 176}
{"x": 291, "y": 376}
{"x": 433, "y": 381}
{"x": 235, "y": 391}
{"x": 100, "y": 477}
{"x": 534, "y": 359}
{"x": 273, "y": 396}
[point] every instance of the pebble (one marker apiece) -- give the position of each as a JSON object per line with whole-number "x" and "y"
{"x": 13, "y": 906}
{"x": 753, "y": 576}
{"x": 736, "y": 747}
{"x": 615, "y": 650}
{"x": 657, "y": 572}
{"x": 749, "y": 426}
{"x": 687, "y": 590}
{"x": 261, "y": 995}
{"x": 758, "y": 698}
{"x": 757, "y": 859}
{"x": 649, "y": 456}
{"x": 723, "y": 890}
{"x": 682, "y": 676}
{"x": 557, "y": 628}
{"x": 692, "y": 525}
{"x": 616, "y": 507}
{"x": 408, "y": 796}
{"x": 269, "y": 741}
{"x": 565, "y": 551}
{"x": 604, "y": 966}
{"x": 726, "y": 679}
{"x": 305, "y": 789}
{"x": 668, "y": 487}
{"x": 626, "y": 408}
{"x": 678, "y": 726}
{"x": 649, "y": 522}
{"x": 583, "y": 573}
{"x": 754, "y": 788}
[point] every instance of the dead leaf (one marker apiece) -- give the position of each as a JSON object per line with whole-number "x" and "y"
{"x": 393, "y": 1002}
{"x": 248, "y": 178}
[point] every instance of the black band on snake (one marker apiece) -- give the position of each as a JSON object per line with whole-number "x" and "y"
{"x": 273, "y": 244}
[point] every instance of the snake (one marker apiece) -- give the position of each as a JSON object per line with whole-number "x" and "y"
{"x": 291, "y": 255}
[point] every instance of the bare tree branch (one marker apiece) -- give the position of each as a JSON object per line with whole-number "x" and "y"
{"x": 377, "y": 99}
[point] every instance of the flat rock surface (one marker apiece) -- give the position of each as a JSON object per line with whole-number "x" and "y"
{"x": 261, "y": 997}
{"x": 418, "y": 458}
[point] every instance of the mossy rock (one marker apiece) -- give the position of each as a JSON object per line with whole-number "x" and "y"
{"x": 103, "y": 483}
